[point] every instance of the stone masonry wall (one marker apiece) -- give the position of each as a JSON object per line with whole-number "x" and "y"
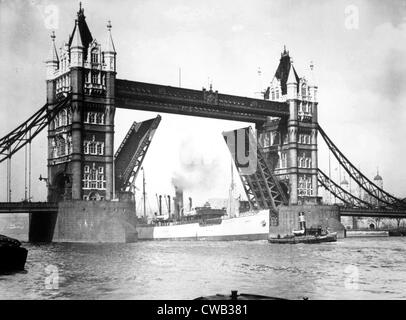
{"x": 315, "y": 215}
{"x": 95, "y": 221}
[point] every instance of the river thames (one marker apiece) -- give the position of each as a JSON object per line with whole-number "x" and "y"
{"x": 368, "y": 268}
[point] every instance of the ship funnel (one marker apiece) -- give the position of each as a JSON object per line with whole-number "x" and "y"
{"x": 190, "y": 204}
{"x": 169, "y": 207}
{"x": 178, "y": 202}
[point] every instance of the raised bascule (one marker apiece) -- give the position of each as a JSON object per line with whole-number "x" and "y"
{"x": 90, "y": 188}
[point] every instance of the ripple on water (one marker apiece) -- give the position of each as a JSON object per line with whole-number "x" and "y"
{"x": 185, "y": 270}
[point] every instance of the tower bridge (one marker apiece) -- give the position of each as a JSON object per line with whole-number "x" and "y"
{"x": 88, "y": 182}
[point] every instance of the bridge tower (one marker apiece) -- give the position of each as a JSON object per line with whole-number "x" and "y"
{"x": 80, "y": 139}
{"x": 290, "y": 144}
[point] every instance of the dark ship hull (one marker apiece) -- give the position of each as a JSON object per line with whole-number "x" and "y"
{"x": 331, "y": 237}
{"x": 12, "y": 256}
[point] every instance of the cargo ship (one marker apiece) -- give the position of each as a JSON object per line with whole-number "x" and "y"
{"x": 251, "y": 225}
{"x": 235, "y": 222}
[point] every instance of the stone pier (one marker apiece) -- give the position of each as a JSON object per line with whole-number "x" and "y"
{"x": 315, "y": 215}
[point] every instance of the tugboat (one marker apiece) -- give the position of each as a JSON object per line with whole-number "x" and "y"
{"x": 311, "y": 235}
{"x": 12, "y": 255}
{"x": 306, "y": 235}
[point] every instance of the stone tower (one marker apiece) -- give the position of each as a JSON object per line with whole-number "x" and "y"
{"x": 80, "y": 139}
{"x": 290, "y": 145}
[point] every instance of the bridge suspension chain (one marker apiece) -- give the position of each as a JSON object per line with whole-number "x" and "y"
{"x": 27, "y": 131}
{"x": 366, "y": 184}
{"x": 340, "y": 193}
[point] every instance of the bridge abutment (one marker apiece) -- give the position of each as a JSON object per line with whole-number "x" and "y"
{"x": 95, "y": 221}
{"x": 325, "y": 216}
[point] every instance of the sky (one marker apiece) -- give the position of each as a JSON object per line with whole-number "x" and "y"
{"x": 358, "y": 49}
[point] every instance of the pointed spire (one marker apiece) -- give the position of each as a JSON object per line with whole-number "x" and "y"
{"x": 76, "y": 38}
{"x": 377, "y": 177}
{"x": 109, "y": 44}
{"x": 53, "y": 54}
{"x": 291, "y": 76}
{"x": 312, "y": 79}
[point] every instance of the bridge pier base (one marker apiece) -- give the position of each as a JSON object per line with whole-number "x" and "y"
{"x": 41, "y": 226}
{"x": 315, "y": 215}
{"x": 95, "y": 221}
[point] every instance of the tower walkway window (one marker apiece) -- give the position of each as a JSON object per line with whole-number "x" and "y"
{"x": 93, "y": 178}
{"x": 94, "y": 118}
{"x": 93, "y": 148}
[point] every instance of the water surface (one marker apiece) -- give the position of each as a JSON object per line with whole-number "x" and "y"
{"x": 348, "y": 269}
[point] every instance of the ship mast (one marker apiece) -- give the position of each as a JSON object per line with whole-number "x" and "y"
{"x": 144, "y": 196}
{"x": 231, "y": 193}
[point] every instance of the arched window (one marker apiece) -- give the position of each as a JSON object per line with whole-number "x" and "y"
{"x": 69, "y": 145}
{"x": 69, "y": 116}
{"x": 62, "y": 147}
{"x": 86, "y": 147}
{"x": 95, "y": 77}
{"x": 303, "y": 90}
{"x": 93, "y": 175}
{"x": 100, "y": 148}
{"x": 63, "y": 118}
{"x": 266, "y": 139}
{"x": 92, "y": 148}
{"x": 99, "y": 118}
{"x": 95, "y": 56}
{"x": 92, "y": 117}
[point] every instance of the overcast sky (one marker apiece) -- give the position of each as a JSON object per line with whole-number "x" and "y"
{"x": 360, "y": 65}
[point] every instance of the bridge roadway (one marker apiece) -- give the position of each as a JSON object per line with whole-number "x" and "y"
{"x": 30, "y": 207}
{"x": 201, "y": 103}
{"x": 372, "y": 213}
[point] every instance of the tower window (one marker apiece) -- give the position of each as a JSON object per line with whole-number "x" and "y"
{"x": 86, "y": 147}
{"x": 100, "y": 118}
{"x": 92, "y": 148}
{"x": 99, "y": 147}
{"x": 94, "y": 178}
{"x": 303, "y": 90}
{"x": 92, "y": 117}
{"x": 95, "y": 78}
{"x": 95, "y": 56}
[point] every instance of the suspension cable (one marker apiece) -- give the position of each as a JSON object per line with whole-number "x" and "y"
{"x": 366, "y": 184}
{"x": 24, "y": 133}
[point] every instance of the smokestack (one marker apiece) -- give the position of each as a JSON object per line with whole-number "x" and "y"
{"x": 190, "y": 204}
{"x": 160, "y": 205}
{"x": 169, "y": 207}
{"x": 178, "y": 201}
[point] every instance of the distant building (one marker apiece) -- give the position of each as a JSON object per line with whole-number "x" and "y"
{"x": 371, "y": 223}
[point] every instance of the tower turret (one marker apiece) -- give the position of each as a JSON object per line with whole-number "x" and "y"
{"x": 291, "y": 83}
{"x": 76, "y": 47}
{"x": 109, "y": 51}
{"x": 378, "y": 179}
{"x": 52, "y": 61}
{"x": 312, "y": 83}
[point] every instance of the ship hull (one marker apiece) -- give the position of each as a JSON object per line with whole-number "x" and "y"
{"x": 250, "y": 227}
